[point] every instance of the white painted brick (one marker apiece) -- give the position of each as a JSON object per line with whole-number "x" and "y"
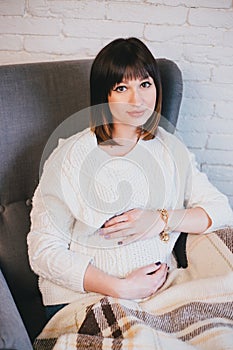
{"x": 38, "y": 8}
{"x": 208, "y": 91}
{"x": 129, "y": 1}
{"x": 12, "y": 57}
{"x": 31, "y": 26}
{"x": 146, "y": 13}
{"x": 224, "y": 142}
{"x": 78, "y": 9}
{"x": 11, "y": 43}
{"x": 195, "y": 3}
{"x": 172, "y": 51}
{"x": 211, "y": 18}
{"x": 193, "y": 139}
{"x": 208, "y": 54}
{"x": 218, "y": 173}
{"x": 214, "y": 157}
{"x": 196, "y": 34}
{"x": 67, "y": 9}
{"x": 228, "y": 38}
{"x": 12, "y": 7}
{"x": 196, "y": 108}
{"x": 226, "y": 187}
{"x": 195, "y": 71}
{"x": 196, "y": 125}
{"x": 220, "y": 55}
{"x": 64, "y": 46}
{"x": 184, "y": 34}
{"x": 223, "y": 75}
{"x": 209, "y": 126}
{"x": 197, "y": 53}
{"x": 224, "y": 110}
{"x": 101, "y": 29}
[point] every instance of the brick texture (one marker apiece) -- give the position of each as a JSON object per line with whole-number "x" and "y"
{"x": 196, "y": 34}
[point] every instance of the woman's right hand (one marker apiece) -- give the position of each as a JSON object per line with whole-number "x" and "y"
{"x": 143, "y": 282}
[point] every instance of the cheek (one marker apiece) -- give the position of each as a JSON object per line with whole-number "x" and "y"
{"x": 116, "y": 104}
{"x": 152, "y": 100}
{"x": 115, "y": 98}
{"x": 114, "y": 107}
{"x": 111, "y": 103}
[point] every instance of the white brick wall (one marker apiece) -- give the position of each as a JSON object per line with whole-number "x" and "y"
{"x": 197, "y": 34}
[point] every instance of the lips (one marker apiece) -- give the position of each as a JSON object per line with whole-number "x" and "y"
{"x": 136, "y": 113}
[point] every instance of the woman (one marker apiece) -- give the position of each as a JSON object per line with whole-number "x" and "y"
{"x": 114, "y": 198}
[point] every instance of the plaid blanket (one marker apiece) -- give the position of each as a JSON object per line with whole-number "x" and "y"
{"x": 193, "y": 310}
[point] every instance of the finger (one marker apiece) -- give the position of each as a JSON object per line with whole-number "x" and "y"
{"x": 160, "y": 275}
{"x": 163, "y": 280}
{"x": 105, "y": 231}
{"x": 159, "y": 270}
{"x": 151, "y": 269}
{"x": 117, "y": 219}
{"x": 120, "y": 235}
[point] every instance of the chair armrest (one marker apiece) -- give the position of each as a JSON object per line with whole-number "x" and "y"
{"x": 13, "y": 334}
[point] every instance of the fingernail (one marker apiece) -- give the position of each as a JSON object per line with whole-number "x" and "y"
{"x": 158, "y": 263}
{"x": 120, "y": 243}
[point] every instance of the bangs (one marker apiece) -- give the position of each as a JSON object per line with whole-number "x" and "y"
{"x": 120, "y": 72}
{"x": 135, "y": 72}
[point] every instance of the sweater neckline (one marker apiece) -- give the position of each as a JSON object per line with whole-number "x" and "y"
{"x": 108, "y": 154}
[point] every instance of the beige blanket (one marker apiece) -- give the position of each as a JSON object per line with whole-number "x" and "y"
{"x": 193, "y": 310}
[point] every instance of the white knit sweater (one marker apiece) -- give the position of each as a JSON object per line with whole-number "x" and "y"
{"x": 82, "y": 186}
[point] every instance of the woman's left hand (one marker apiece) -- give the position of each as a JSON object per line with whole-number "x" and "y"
{"x": 132, "y": 225}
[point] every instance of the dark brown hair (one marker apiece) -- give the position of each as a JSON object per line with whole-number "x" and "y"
{"x": 122, "y": 58}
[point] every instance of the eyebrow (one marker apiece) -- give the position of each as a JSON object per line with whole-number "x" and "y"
{"x": 127, "y": 80}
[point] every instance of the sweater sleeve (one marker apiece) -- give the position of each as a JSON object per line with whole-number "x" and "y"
{"x": 201, "y": 193}
{"x": 51, "y": 230}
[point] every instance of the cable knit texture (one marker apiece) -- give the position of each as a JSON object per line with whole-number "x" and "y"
{"x": 82, "y": 186}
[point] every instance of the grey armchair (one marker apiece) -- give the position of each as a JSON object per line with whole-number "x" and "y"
{"x": 12, "y": 331}
{"x": 34, "y": 99}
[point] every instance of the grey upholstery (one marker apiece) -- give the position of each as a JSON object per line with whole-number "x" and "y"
{"x": 34, "y": 99}
{"x": 12, "y": 334}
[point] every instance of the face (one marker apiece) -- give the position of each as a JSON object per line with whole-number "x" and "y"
{"x": 132, "y": 102}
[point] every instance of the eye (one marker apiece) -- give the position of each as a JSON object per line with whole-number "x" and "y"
{"x": 120, "y": 88}
{"x": 146, "y": 84}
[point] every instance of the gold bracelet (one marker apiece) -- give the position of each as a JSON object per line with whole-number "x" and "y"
{"x": 164, "y": 235}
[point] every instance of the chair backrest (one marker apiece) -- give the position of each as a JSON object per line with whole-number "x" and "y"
{"x": 34, "y": 99}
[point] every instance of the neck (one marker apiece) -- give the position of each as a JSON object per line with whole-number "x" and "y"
{"x": 126, "y": 138}
{"x": 125, "y": 132}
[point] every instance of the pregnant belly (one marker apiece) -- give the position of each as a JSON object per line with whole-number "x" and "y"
{"x": 121, "y": 260}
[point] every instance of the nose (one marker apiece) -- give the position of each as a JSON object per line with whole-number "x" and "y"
{"x": 135, "y": 98}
